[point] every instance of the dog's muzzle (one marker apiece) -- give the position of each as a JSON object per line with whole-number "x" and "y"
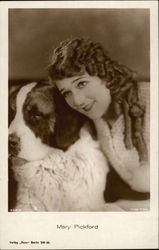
{"x": 14, "y": 145}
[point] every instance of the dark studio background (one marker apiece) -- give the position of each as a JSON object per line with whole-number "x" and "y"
{"x": 34, "y": 33}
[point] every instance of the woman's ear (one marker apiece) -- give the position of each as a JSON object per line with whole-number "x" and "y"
{"x": 68, "y": 123}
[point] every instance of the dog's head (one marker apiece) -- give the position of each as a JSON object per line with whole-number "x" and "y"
{"x": 41, "y": 120}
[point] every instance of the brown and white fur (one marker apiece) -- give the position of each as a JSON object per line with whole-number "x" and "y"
{"x": 50, "y": 179}
{"x": 56, "y": 162}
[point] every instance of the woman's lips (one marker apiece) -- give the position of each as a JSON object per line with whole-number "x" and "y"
{"x": 89, "y": 106}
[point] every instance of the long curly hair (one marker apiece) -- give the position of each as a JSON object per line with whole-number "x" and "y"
{"x": 79, "y": 55}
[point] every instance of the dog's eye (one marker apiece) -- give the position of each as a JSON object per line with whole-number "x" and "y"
{"x": 37, "y": 117}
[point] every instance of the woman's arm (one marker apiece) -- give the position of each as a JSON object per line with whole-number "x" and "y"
{"x": 138, "y": 176}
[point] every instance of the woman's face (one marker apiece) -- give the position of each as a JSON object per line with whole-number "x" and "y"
{"x": 86, "y": 94}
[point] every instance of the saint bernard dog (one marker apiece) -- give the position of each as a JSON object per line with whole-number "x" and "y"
{"x": 55, "y": 157}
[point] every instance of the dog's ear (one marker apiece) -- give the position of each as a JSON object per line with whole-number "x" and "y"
{"x": 13, "y": 90}
{"x": 68, "y": 123}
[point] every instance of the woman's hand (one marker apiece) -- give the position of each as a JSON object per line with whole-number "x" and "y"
{"x": 140, "y": 180}
{"x": 125, "y": 162}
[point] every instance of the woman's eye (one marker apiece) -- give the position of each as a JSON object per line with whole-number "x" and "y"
{"x": 81, "y": 84}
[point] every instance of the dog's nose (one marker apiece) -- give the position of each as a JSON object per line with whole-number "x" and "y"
{"x": 14, "y": 139}
{"x": 14, "y": 145}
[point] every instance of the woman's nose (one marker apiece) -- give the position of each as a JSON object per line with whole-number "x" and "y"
{"x": 78, "y": 99}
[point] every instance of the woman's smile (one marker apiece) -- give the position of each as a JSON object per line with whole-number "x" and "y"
{"x": 89, "y": 106}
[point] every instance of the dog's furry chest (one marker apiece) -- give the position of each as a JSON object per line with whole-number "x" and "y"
{"x": 65, "y": 181}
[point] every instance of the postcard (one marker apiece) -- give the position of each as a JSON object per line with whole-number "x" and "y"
{"x": 79, "y": 125}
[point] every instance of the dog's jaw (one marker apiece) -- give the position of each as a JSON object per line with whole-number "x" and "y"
{"x": 31, "y": 147}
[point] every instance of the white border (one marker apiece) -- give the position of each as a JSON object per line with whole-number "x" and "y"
{"x": 116, "y": 230}
{"x": 80, "y": 4}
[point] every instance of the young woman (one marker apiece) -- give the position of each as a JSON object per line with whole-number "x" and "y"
{"x": 109, "y": 94}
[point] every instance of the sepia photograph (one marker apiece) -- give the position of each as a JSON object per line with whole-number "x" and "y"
{"x": 79, "y": 110}
{"x": 79, "y": 136}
